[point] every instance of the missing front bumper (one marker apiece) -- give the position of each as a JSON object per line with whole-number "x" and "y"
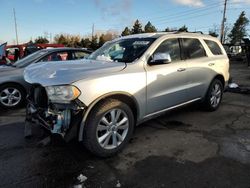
{"x": 56, "y": 118}
{"x": 64, "y": 122}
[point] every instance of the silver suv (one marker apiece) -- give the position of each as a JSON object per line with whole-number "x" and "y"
{"x": 124, "y": 83}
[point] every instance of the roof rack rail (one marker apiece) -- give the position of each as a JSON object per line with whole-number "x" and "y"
{"x": 197, "y": 32}
{"x": 189, "y": 32}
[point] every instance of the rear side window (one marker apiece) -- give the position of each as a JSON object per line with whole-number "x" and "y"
{"x": 80, "y": 54}
{"x": 214, "y": 47}
{"x": 194, "y": 48}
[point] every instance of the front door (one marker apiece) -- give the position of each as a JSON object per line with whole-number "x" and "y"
{"x": 166, "y": 83}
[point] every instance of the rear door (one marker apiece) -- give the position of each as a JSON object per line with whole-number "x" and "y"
{"x": 166, "y": 83}
{"x": 199, "y": 67}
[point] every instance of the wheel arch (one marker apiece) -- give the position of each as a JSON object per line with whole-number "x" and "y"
{"x": 217, "y": 76}
{"x": 122, "y": 96}
{"x": 205, "y": 99}
{"x": 221, "y": 78}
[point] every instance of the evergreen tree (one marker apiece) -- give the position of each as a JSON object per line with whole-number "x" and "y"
{"x": 61, "y": 39}
{"x": 94, "y": 43}
{"x": 41, "y": 40}
{"x": 183, "y": 29}
{"x": 149, "y": 28}
{"x": 82, "y": 43}
{"x": 239, "y": 31}
{"x": 137, "y": 27}
{"x": 85, "y": 43}
{"x": 126, "y": 32}
{"x": 73, "y": 41}
{"x": 213, "y": 33}
{"x": 101, "y": 40}
{"x": 168, "y": 29}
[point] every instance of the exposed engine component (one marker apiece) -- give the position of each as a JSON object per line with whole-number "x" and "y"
{"x": 62, "y": 121}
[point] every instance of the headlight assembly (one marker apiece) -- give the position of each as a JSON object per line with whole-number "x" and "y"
{"x": 62, "y": 94}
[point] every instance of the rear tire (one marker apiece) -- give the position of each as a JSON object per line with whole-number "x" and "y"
{"x": 109, "y": 127}
{"x": 12, "y": 96}
{"x": 214, "y": 96}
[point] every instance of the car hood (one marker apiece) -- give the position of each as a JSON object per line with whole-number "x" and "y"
{"x": 67, "y": 72}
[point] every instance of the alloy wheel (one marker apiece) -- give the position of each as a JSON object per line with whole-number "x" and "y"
{"x": 215, "y": 97}
{"x": 10, "y": 97}
{"x": 112, "y": 129}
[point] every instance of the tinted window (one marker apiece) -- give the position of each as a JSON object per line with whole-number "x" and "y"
{"x": 30, "y": 58}
{"x": 214, "y": 47}
{"x": 172, "y": 47}
{"x": 58, "y": 56}
{"x": 194, "y": 48}
{"x": 80, "y": 54}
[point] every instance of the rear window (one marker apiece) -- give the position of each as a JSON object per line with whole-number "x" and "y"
{"x": 194, "y": 48}
{"x": 214, "y": 47}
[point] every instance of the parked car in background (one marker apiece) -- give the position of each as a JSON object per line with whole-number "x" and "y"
{"x": 235, "y": 52}
{"x": 3, "y": 58}
{"x": 16, "y": 52}
{"x": 13, "y": 88}
{"x": 125, "y": 82}
{"x": 5, "y": 61}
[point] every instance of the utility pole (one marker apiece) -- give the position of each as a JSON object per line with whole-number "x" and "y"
{"x": 93, "y": 30}
{"x": 50, "y": 38}
{"x": 223, "y": 22}
{"x": 15, "y": 25}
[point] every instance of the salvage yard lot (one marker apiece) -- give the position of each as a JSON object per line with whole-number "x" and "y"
{"x": 184, "y": 148}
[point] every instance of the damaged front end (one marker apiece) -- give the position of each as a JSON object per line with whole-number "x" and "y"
{"x": 55, "y": 109}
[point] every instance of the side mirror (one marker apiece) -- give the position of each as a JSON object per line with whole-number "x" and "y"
{"x": 160, "y": 58}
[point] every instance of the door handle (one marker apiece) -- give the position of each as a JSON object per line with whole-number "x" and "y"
{"x": 211, "y": 64}
{"x": 181, "y": 69}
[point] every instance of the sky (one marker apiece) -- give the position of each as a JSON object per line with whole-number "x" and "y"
{"x": 50, "y": 17}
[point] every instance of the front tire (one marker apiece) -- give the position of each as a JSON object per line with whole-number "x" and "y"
{"x": 109, "y": 127}
{"x": 11, "y": 96}
{"x": 214, "y": 95}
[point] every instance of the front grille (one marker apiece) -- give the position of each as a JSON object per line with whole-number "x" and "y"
{"x": 38, "y": 96}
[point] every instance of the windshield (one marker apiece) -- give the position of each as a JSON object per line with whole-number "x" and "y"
{"x": 29, "y": 59}
{"x": 123, "y": 50}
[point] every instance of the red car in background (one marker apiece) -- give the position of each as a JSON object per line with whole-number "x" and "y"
{"x": 15, "y": 52}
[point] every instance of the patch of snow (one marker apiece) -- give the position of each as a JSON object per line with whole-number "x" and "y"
{"x": 233, "y": 85}
{"x": 118, "y": 184}
{"x": 81, "y": 178}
